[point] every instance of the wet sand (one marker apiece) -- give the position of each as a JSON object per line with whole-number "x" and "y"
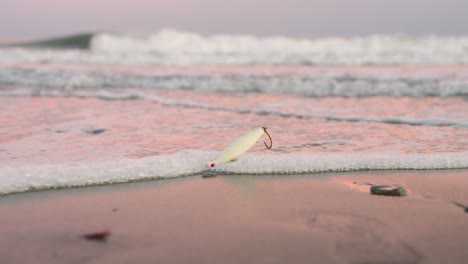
{"x": 322, "y": 218}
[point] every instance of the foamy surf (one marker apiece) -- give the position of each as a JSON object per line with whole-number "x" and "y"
{"x": 437, "y": 81}
{"x": 193, "y": 162}
{"x": 172, "y": 47}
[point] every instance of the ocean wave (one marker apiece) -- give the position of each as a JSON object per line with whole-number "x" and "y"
{"x": 313, "y": 84}
{"x": 172, "y": 47}
{"x": 193, "y": 162}
{"x": 78, "y": 41}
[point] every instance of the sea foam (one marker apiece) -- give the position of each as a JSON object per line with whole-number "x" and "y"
{"x": 188, "y": 48}
{"x": 193, "y": 162}
{"x": 172, "y": 47}
{"x": 335, "y": 82}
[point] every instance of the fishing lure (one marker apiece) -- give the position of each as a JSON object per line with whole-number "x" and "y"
{"x": 240, "y": 146}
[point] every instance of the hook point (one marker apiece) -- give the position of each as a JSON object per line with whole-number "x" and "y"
{"x": 271, "y": 140}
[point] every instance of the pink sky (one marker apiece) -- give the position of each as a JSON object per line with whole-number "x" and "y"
{"x": 310, "y": 18}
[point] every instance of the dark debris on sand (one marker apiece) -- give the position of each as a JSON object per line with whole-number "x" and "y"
{"x": 465, "y": 208}
{"x": 387, "y": 190}
{"x": 95, "y": 131}
{"x": 100, "y": 236}
{"x": 209, "y": 174}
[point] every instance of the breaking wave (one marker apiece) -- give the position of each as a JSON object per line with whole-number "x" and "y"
{"x": 172, "y": 47}
{"x": 314, "y": 84}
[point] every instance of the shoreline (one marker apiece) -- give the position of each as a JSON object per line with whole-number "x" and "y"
{"x": 324, "y": 175}
{"x": 322, "y": 218}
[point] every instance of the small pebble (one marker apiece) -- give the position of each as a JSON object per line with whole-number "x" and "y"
{"x": 387, "y": 190}
{"x": 95, "y": 131}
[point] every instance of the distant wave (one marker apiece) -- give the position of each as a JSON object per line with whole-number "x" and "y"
{"x": 193, "y": 162}
{"x": 78, "y": 41}
{"x": 171, "y": 47}
{"x": 316, "y": 84}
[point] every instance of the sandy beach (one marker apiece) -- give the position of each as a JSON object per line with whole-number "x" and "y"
{"x": 321, "y": 218}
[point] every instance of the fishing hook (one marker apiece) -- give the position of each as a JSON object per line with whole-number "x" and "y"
{"x": 271, "y": 140}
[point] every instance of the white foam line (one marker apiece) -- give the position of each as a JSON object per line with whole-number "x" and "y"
{"x": 192, "y": 162}
{"x": 392, "y": 120}
{"x": 296, "y": 163}
{"x": 30, "y": 178}
{"x": 106, "y": 95}
{"x": 404, "y": 121}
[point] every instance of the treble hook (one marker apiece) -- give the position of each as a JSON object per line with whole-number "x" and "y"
{"x": 271, "y": 140}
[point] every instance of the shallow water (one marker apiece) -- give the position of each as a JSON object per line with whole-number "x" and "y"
{"x": 80, "y": 122}
{"x": 58, "y": 130}
{"x": 52, "y": 142}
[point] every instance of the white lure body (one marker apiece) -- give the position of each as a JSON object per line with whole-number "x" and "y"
{"x": 238, "y": 147}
